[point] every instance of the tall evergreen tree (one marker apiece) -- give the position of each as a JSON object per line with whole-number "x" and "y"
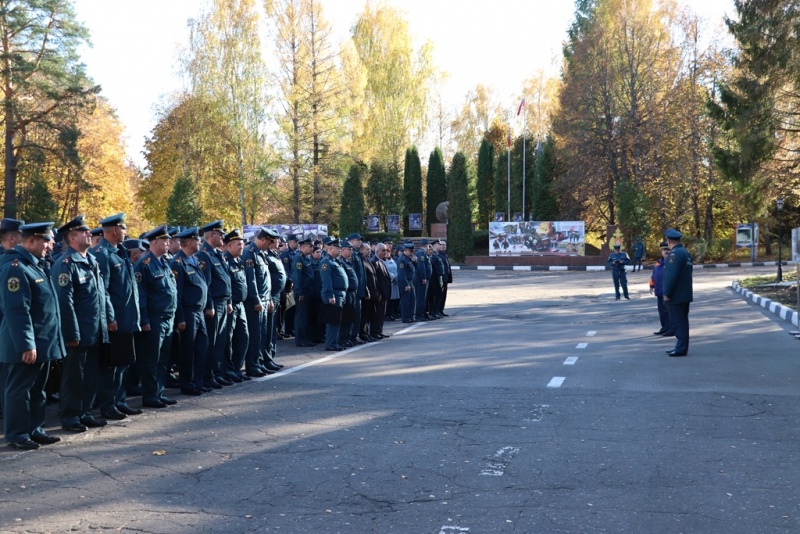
{"x": 485, "y": 184}
{"x": 41, "y": 76}
{"x": 459, "y": 231}
{"x": 412, "y": 187}
{"x": 500, "y": 184}
{"x": 384, "y": 192}
{"x": 38, "y": 204}
{"x": 436, "y": 182}
{"x": 544, "y": 197}
{"x": 183, "y": 208}
{"x": 351, "y": 216}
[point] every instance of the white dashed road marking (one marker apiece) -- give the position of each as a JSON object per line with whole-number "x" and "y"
{"x": 571, "y": 360}
{"x": 582, "y": 345}
{"x": 591, "y": 333}
{"x": 556, "y": 381}
{"x": 497, "y": 465}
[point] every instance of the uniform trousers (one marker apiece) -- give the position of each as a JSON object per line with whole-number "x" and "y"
{"x": 378, "y": 317}
{"x": 24, "y": 399}
{"x": 663, "y": 314}
{"x": 301, "y": 313}
{"x": 346, "y": 328}
{"x": 421, "y": 298}
{"x": 111, "y": 390}
{"x": 434, "y": 297}
{"x": 355, "y": 326}
{"x": 620, "y": 279}
{"x": 679, "y": 319}
{"x": 271, "y": 332}
{"x": 194, "y": 348}
{"x": 215, "y": 327}
{"x": 332, "y": 330}
{"x": 255, "y": 328}
{"x": 407, "y": 304}
{"x": 367, "y": 313}
{"x": 153, "y": 350}
{"x": 80, "y": 372}
{"x": 238, "y": 341}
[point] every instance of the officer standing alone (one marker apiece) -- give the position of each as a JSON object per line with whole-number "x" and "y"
{"x": 617, "y": 261}
{"x": 678, "y": 290}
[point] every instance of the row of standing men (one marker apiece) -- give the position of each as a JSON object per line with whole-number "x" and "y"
{"x": 129, "y": 310}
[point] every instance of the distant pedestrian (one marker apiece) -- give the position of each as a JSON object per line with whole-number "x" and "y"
{"x": 638, "y": 253}
{"x": 678, "y": 290}
{"x": 617, "y": 260}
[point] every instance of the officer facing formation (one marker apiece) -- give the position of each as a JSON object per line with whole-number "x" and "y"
{"x": 406, "y": 274}
{"x": 617, "y": 261}
{"x": 30, "y": 336}
{"x": 678, "y": 290}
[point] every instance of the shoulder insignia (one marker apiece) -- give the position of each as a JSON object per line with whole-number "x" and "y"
{"x": 249, "y": 263}
{"x": 66, "y": 259}
{"x": 15, "y": 263}
{"x": 13, "y": 284}
{"x": 63, "y": 279}
{"x": 138, "y": 277}
{"x": 299, "y": 265}
{"x": 400, "y": 265}
{"x": 324, "y": 267}
{"x": 177, "y": 260}
{"x": 202, "y": 265}
{"x": 174, "y": 273}
{"x": 147, "y": 260}
{"x": 286, "y": 259}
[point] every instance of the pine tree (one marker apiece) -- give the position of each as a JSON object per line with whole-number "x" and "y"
{"x": 412, "y": 187}
{"x": 351, "y": 216}
{"x": 544, "y": 199}
{"x": 500, "y": 184}
{"x": 485, "y": 183}
{"x": 436, "y": 181}
{"x": 459, "y": 231}
{"x": 38, "y": 204}
{"x": 183, "y": 209}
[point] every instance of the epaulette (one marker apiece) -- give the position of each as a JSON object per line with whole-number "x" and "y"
{"x": 15, "y": 263}
{"x": 177, "y": 260}
{"x": 147, "y": 260}
{"x": 66, "y": 259}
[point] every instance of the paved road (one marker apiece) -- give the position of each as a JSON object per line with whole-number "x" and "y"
{"x": 457, "y": 426}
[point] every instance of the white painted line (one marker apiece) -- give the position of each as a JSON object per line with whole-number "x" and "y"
{"x": 486, "y": 267}
{"x": 537, "y": 414}
{"x": 522, "y": 267}
{"x": 571, "y": 360}
{"x": 591, "y": 333}
{"x": 581, "y": 345}
{"x": 291, "y": 370}
{"x": 408, "y": 329}
{"x": 446, "y": 530}
{"x": 556, "y": 381}
{"x": 497, "y": 465}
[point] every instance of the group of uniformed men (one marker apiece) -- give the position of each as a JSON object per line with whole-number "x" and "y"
{"x": 123, "y": 312}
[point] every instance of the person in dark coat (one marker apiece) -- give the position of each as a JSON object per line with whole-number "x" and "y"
{"x": 30, "y": 336}
{"x": 678, "y": 290}
{"x": 657, "y": 289}
{"x": 368, "y": 302}
{"x": 383, "y": 291}
{"x": 617, "y": 261}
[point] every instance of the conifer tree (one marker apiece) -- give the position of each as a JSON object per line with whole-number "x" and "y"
{"x": 485, "y": 183}
{"x": 412, "y": 187}
{"x": 436, "y": 182}
{"x": 183, "y": 209}
{"x": 459, "y": 231}
{"x": 351, "y": 216}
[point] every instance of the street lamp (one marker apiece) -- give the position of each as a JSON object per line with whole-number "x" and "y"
{"x": 779, "y": 203}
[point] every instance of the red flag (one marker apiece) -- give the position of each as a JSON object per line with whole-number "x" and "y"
{"x": 521, "y": 105}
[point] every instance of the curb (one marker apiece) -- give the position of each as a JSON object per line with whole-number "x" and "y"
{"x": 605, "y": 267}
{"x": 787, "y": 314}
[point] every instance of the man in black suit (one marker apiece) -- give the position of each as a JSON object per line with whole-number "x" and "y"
{"x": 368, "y": 302}
{"x": 383, "y": 291}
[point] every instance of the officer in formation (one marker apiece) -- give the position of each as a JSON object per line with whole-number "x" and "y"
{"x": 448, "y": 275}
{"x": 436, "y": 285}
{"x": 423, "y": 275}
{"x": 238, "y": 337}
{"x": 278, "y": 279}
{"x": 287, "y": 255}
{"x": 355, "y": 240}
{"x": 617, "y": 261}
{"x": 383, "y": 290}
{"x": 303, "y": 285}
{"x": 351, "y": 295}
{"x": 678, "y": 290}
{"x": 258, "y": 301}
{"x": 334, "y": 288}
{"x": 638, "y": 253}
{"x": 10, "y": 237}
{"x": 406, "y": 274}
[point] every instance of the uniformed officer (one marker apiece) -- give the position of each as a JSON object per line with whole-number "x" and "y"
{"x": 237, "y": 335}
{"x": 448, "y": 275}
{"x": 355, "y": 239}
{"x": 277, "y": 283}
{"x": 287, "y": 255}
{"x": 436, "y": 283}
{"x": 136, "y": 249}
{"x": 119, "y": 280}
{"x": 30, "y": 336}
{"x": 678, "y": 290}
{"x": 617, "y": 261}
{"x": 351, "y": 295}
{"x": 157, "y": 305}
{"x": 218, "y": 303}
{"x": 334, "y": 286}
{"x": 97, "y": 234}
{"x": 316, "y": 328}
{"x": 303, "y": 286}
{"x": 192, "y": 296}
{"x": 257, "y": 303}
{"x": 423, "y": 276}
{"x": 86, "y": 317}
{"x": 10, "y": 237}
{"x": 406, "y": 272}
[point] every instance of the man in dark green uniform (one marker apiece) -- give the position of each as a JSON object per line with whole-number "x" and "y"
{"x": 334, "y": 287}
{"x": 119, "y": 280}
{"x": 157, "y": 304}
{"x": 237, "y": 336}
{"x": 10, "y": 237}
{"x": 617, "y": 261}
{"x": 30, "y": 336}
{"x": 86, "y": 317}
{"x": 257, "y": 303}
{"x": 355, "y": 239}
{"x": 351, "y": 296}
{"x": 436, "y": 284}
{"x": 424, "y": 273}
{"x": 190, "y": 284}
{"x": 277, "y": 284}
{"x": 303, "y": 285}
{"x": 406, "y": 272}
{"x": 678, "y": 290}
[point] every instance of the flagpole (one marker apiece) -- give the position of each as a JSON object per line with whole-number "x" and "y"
{"x": 508, "y": 151}
{"x": 524, "y": 116}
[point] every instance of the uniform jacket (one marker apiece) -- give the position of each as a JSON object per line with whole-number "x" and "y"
{"x": 334, "y": 280}
{"x": 215, "y": 269}
{"x": 276, "y": 273}
{"x": 358, "y": 268}
{"x": 617, "y": 261}
{"x": 406, "y": 271}
{"x": 657, "y": 278}
{"x": 638, "y": 250}
{"x": 238, "y": 278}
{"x": 424, "y": 270}
{"x": 32, "y": 317}
{"x": 259, "y": 284}
{"x": 120, "y": 284}
{"x": 437, "y": 268}
{"x": 84, "y": 304}
{"x": 190, "y": 285}
{"x": 303, "y": 277}
{"x": 158, "y": 297}
{"x": 678, "y": 275}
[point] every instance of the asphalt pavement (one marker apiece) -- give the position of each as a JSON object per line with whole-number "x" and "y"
{"x": 541, "y": 405}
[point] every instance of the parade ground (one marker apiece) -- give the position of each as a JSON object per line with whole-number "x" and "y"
{"x": 541, "y": 405}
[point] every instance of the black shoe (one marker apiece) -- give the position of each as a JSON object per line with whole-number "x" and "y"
{"x": 205, "y": 389}
{"x": 443, "y": 314}
{"x": 191, "y": 391}
{"x": 274, "y": 367}
{"x": 659, "y": 333}
{"x": 24, "y": 444}
{"x": 127, "y": 410}
{"x": 236, "y": 379}
{"x": 673, "y": 353}
{"x": 255, "y": 374}
{"x": 91, "y": 422}
{"x": 154, "y": 404}
{"x": 114, "y": 415}
{"x": 627, "y": 297}
{"x": 244, "y": 376}
{"x": 45, "y": 439}
{"x": 213, "y": 384}
{"x": 168, "y": 401}
{"x": 384, "y": 336}
{"x": 74, "y": 427}
{"x": 224, "y": 381}
{"x": 334, "y": 349}
{"x": 616, "y": 298}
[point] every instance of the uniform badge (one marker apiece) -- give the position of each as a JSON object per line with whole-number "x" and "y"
{"x": 13, "y": 284}
{"x": 286, "y": 260}
{"x": 202, "y": 265}
{"x": 400, "y": 265}
{"x": 138, "y": 277}
{"x": 175, "y": 273}
{"x": 249, "y": 263}
{"x": 299, "y": 266}
{"x": 324, "y": 267}
{"x": 63, "y": 279}
{"x": 177, "y": 260}
{"x": 146, "y": 261}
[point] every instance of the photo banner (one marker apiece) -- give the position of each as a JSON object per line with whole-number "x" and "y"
{"x": 302, "y": 231}
{"x": 415, "y": 221}
{"x": 537, "y": 238}
{"x": 393, "y": 224}
{"x": 373, "y": 223}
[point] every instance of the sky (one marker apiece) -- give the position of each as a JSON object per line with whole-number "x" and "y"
{"x": 498, "y": 44}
